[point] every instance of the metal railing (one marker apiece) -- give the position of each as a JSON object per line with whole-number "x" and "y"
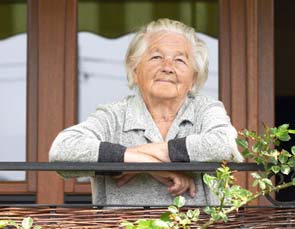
{"x": 140, "y": 167}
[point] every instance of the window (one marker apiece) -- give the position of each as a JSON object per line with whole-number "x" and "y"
{"x": 13, "y": 53}
{"x": 105, "y": 30}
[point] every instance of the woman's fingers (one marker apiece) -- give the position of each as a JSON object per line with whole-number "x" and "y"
{"x": 181, "y": 184}
{"x": 123, "y": 179}
{"x": 165, "y": 181}
{"x": 192, "y": 188}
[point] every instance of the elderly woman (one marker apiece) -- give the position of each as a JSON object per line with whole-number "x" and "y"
{"x": 165, "y": 121}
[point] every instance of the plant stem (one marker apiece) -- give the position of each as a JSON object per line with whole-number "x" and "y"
{"x": 277, "y": 188}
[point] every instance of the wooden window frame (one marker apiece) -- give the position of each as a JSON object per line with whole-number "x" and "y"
{"x": 28, "y": 186}
{"x": 246, "y": 85}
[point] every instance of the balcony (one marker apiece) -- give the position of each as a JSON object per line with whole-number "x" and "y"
{"x": 275, "y": 215}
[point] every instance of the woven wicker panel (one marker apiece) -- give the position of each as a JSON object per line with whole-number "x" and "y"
{"x": 57, "y": 217}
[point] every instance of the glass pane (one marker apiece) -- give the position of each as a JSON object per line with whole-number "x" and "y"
{"x": 13, "y": 55}
{"x": 105, "y": 30}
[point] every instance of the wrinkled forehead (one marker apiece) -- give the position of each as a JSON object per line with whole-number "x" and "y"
{"x": 168, "y": 40}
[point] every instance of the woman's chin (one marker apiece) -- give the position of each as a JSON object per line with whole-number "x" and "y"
{"x": 164, "y": 94}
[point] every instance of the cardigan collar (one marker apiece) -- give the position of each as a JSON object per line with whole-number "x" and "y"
{"x": 138, "y": 117}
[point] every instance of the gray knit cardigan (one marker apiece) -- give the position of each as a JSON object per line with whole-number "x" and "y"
{"x": 202, "y": 124}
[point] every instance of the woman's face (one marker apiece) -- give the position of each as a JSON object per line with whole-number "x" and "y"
{"x": 165, "y": 71}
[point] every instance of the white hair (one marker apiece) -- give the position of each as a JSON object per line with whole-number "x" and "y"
{"x": 139, "y": 44}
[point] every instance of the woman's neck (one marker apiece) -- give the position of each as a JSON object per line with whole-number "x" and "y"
{"x": 163, "y": 113}
{"x": 163, "y": 110}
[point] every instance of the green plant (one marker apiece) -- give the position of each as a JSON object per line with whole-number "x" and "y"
{"x": 173, "y": 218}
{"x": 27, "y": 223}
{"x": 261, "y": 149}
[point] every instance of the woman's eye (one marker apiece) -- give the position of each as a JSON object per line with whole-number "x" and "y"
{"x": 180, "y": 61}
{"x": 156, "y": 57}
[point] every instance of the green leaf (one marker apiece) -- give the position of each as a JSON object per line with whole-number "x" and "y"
{"x": 283, "y": 159}
{"x": 286, "y": 153}
{"x": 249, "y": 134}
{"x": 159, "y": 224}
{"x": 257, "y": 147}
{"x": 166, "y": 217}
{"x": 215, "y": 217}
{"x": 223, "y": 216}
{"x": 283, "y": 133}
{"x": 242, "y": 142}
{"x": 274, "y": 130}
{"x": 189, "y": 213}
{"x": 127, "y": 223}
{"x": 4, "y": 223}
{"x": 27, "y": 223}
{"x": 277, "y": 143}
{"x": 293, "y": 181}
{"x": 255, "y": 182}
{"x": 37, "y": 227}
{"x": 144, "y": 224}
{"x": 291, "y": 162}
{"x": 258, "y": 160}
{"x": 291, "y": 131}
{"x": 184, "y": 221}
{"x": 293, "y": 150}
{"x": 284, "y": 137}
{"x": 262, "y": 185}
{"x": 179, "y": 201}
{"x": 268, "y": 182}
{"x": 208, "y": 210}
{"x": 275, "y": 169}
{"x": 285, "y": 169}
{"x": 256, "y": 175}
{"x": 208, "y": 180}
{"x": 11, "y": 222}
{"x": 246, "y": 153}
{"x": 283, "y": 127}
{"x": 196, "y": 214}
{"x": 173, "y": 209}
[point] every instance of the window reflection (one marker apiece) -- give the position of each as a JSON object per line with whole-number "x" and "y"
{"x": 13, "y": 43}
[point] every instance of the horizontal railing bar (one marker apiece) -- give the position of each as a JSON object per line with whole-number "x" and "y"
{"x": 116, "y": 167}
{"x": 130, "y": 206}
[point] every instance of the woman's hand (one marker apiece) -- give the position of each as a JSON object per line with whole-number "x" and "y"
{"x": 177, "y": 183}
{"x": 151, "y": 152}
{"x": 133, "y": 155}
{"x": 124, "y": 178}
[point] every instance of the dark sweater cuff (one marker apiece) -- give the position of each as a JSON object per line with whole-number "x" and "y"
{"x": 177, "y": 150}
{"x": 110, "y": 152}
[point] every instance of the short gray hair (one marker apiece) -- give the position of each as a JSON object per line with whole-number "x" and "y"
{"x": 139, "y": 44}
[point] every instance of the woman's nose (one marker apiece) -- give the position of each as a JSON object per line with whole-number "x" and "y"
{"x": 168, "y": 66}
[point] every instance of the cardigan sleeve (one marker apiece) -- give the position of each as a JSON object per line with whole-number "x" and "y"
{"x": 86, "y": 142}
{"x": 216, "y": 140}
